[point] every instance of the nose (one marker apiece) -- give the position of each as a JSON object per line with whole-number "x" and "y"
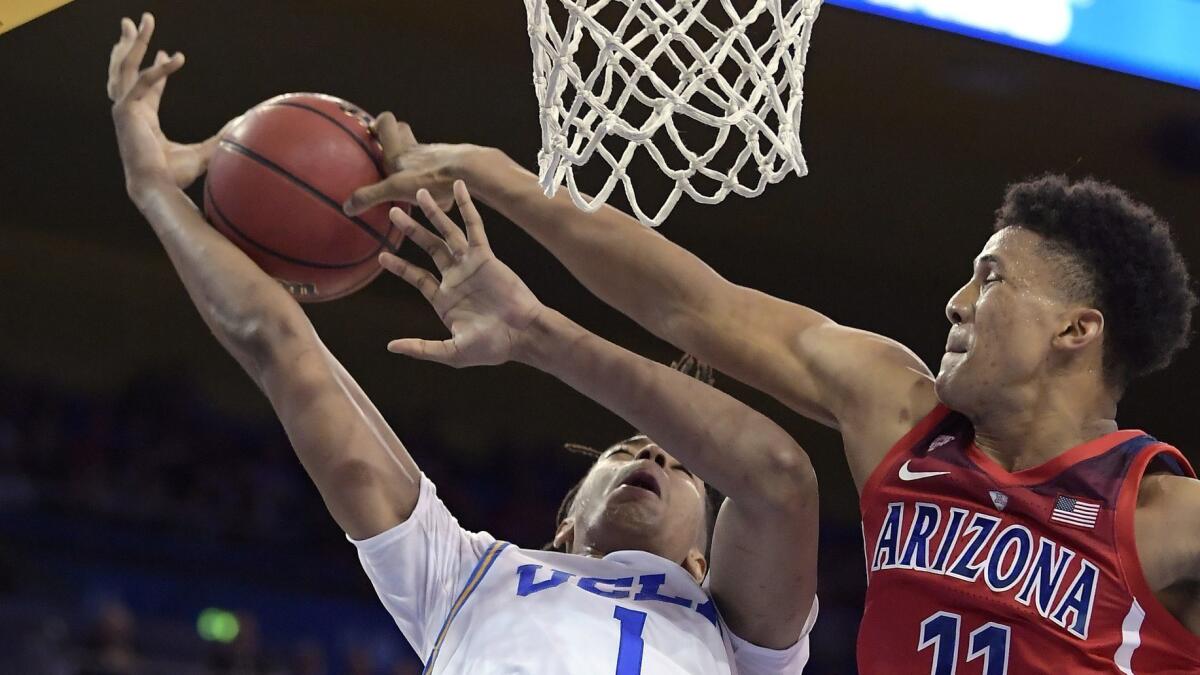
{"x": 961, "y": 306}
{"x": 653, "y": 453}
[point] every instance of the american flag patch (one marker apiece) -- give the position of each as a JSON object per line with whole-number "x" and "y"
{"x": 1075, "y": 511}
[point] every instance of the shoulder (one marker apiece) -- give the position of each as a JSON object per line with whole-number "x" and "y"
{"x": 887, "y": 389}
{"x": 429, "y": 531}
{"x": 876, "y": 429}
{"x": 1168, "y": 528}
{"x": 1164, "y": 493}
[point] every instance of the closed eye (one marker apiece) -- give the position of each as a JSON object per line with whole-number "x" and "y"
{"x": 680, "y": 467}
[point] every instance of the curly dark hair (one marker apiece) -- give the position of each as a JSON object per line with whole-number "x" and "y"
{"x": 1118, "y": 254}
{"x": 688, "y": 365}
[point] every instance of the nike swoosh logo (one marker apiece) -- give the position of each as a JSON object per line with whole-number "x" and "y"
{"x": 907, "y": 475}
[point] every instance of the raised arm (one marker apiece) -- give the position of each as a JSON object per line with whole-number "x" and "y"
{"x": 764, "y": 549}
{"x": 868, "y": 386}
{"x": 364, "y": 474}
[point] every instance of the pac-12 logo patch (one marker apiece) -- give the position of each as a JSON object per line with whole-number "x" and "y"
{"x": 999, "y": 499}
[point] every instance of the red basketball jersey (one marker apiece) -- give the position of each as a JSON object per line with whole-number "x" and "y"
{"x": 973, "y": 570}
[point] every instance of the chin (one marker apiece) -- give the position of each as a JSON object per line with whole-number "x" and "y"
{"x": 947, "y": 389}
{"x": 955, "y": 391}
{"x": 629, "y": 527}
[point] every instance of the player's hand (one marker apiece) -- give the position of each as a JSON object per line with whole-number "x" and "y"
{"x": 484, "y": 304}
{"x": 149, "y": 157}
{"x": 413, "y": 166}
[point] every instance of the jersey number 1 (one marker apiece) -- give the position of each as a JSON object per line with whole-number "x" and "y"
{"x": 941, "y": 632}
{"x": 629, "y": 653}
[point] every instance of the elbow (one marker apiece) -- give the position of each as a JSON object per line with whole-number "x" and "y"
{"x": 691, "y": 316}
{"x": 680, "y": 323}
{"x": 265, "y": 337}
{"x": 787, "y": 481}
{"x": 262, "y": 332}
{"x": 350, "y": 477}
{"x": 670, "y": 323}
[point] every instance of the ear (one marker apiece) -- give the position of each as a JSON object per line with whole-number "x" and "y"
{"x": 564, "y": 537}
{"x": 696, "y": 564}
{"x": 1084, "y": 326}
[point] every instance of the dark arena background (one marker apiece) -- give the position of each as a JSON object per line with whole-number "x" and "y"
{"x": 152, "y": 516}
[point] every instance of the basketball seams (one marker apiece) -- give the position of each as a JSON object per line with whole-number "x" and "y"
{"x": 362, "y": 144}
{"x": 272, "y": 166}
{"x": 225, "y": 220}
{"x": 234, "y": 146}
{"x": 383, "y": 172}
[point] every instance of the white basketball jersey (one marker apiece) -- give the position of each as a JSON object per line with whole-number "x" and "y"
{"x": 470, "y": 604}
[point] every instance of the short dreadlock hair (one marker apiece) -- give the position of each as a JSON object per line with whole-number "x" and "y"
{"x": 1118, "y": 254}
{"x": 688, "y": 365}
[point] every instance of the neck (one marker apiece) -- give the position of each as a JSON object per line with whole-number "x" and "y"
{"x": 589, "y": 551}
{"x": 692, "y": 562}
{"x": 1032, "y": 425}
{"x": 593, "y": 549}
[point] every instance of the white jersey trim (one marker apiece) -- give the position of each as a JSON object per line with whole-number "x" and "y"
{"x": 477, "y": 575}
{"x": 432, "y": 575}
{"x": 1131, "y": 638}
{"x": 755, "y": 660}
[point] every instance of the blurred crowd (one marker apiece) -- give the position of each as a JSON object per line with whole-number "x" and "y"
{"x": 156, "y": 454}
{"x": 104, "y": 496}
{"x": 108, "y": 639}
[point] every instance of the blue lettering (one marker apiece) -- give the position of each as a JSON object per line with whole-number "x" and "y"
{"x": 1078, "y": 600}
{"x": 650, "y": 585}
{"x": 963, "y": 567}
{"x": 889, "y": 536}
{"x": 953, "y": 529}
{"x": 1002, "y": 580}
{"x": 527, "y": 586}
{"x": 709, "y": 611}
{"x": 974, "y": 547}
{"x": 916, "y": 550}
{"x": 1045, "y": 575}
{"x": 590, "y": 584}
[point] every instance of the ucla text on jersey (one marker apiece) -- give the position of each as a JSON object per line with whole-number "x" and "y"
{"x": 643, "y": 588}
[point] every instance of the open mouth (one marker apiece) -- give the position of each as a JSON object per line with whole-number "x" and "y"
{"x": 644, "y": 480}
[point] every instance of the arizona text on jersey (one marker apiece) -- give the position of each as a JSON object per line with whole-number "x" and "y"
{"x": 975, "y": 570}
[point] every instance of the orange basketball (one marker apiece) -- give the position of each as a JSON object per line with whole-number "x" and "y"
{"x": 276, "y": 185}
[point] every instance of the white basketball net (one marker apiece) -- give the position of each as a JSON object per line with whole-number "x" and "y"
{"x": 676, "y": 61}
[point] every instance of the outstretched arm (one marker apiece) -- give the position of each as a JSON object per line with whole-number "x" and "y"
{"x": 364, "y": 474}
{"x": 868, "y": 386}
{"x": 764, "y": 559}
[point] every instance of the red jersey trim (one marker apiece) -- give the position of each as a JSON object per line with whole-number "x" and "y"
{"x": 1126, "y": 545}
{"x": 923, "y": 428}
{"x": 1047, "y": 470}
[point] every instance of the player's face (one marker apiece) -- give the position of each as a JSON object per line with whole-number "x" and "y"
{"x": 638, "y": 497}
{"x": 1003, "y": 322}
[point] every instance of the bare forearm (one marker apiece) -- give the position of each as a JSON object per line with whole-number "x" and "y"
{"x": 739, "y": 451}
{"x": 621, "y": 261}
{"x": 365, "y": 475}
{"x": 659, "y": 284}
{"x": 239, "y": 302}
{"x": 833, "y": 374}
